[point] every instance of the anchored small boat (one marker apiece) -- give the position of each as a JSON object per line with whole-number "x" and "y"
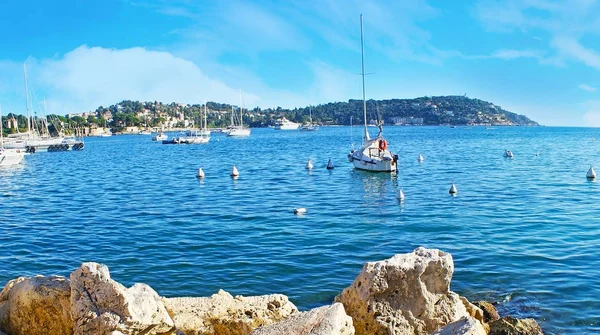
{"x": 374, "y": 154}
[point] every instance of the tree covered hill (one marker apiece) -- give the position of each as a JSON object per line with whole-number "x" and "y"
{"x": 440, "y": 110}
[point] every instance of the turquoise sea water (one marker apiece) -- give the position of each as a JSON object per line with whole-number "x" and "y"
{"x": 523, "y": 232}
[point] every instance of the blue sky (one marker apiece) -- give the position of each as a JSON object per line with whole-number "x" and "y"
{"x": 534, "y": 57}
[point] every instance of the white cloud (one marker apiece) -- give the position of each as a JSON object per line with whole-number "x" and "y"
{"x": 563, "y": 25}
{"x": 510, "y": 54}
{"x": 587, "y": 88}
{"x": 332, "y": 84}
{"x": 86, "y": 78}
{"x": 392, "y": 27}
{"x": 11, "y": 81}
{"x": 591, "y": 117}
{"x": 570, "y": 47}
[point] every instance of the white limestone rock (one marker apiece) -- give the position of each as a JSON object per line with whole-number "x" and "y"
{"x": 100, "y": 305}
{"x": 473, "y": 310}
{"x": 326, "y": 320}
{"x": 406, "y": 294}
{"x": 222, "y": 311}
{"x": 464, "y": 326}
{"x": 36, "y": 305}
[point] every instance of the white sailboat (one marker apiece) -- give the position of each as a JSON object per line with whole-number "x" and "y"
{"x": 309, "y": 126}
{"x": 238, "y": 130}
{"x": 8, "y": 157}
{"x": 204, "y": 131}
{"x": 374, "y": 154}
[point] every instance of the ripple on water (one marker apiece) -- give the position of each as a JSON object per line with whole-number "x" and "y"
{"x": 523, "y": 232}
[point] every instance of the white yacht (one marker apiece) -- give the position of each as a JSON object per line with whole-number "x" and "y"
{"x": 374, "y": 154}
{"x": 285, "y": 124}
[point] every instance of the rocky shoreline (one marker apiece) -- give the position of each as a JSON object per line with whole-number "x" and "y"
{"x": 406, "y": 294}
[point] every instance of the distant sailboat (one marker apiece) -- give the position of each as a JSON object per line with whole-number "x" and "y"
{"x": 205, "y": 131}
{"x": 309, "y": 126}
{"x": 238, "y": 130}
{"x": 373, "y": 155}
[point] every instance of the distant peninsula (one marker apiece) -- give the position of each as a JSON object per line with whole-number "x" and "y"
{"x": 424, "y": 111}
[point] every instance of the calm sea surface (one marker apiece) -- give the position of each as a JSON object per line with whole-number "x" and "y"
{"x": 524, "y": 232}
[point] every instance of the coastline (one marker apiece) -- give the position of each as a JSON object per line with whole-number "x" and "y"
{"x": 406, "y": 294}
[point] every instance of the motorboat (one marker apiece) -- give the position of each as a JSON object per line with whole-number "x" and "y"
{"x": 285, "y": 124}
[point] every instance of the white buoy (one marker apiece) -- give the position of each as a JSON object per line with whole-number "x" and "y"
{"x": 234, "y": 172}
{"x": 591, "y": 174}
{"x": 200, "y": 173}
{"x": 300, "y": 210}
{"x": 420, "y": 158}
{"x": 400, "y": 195}
{"x": 330, "y": 165}
{"x": 536, "y": 154}
{"x": 508, "y": 154}
{"x": 453, "y": 189}
{"x": 309, "y": 165}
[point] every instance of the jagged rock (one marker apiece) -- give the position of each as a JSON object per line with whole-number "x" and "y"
{"x": 100, "y": 305}
{"x": 406, "y": 294}
{"x": 465, "y": 326}
{"x": 36, "y": 305}
{"x": 228, "y": 315}
{"x": 326, "y": 320}
{"x": 512, "y": 326}
{"x": 472, "y": 310}
{"x": 490, "y": 313}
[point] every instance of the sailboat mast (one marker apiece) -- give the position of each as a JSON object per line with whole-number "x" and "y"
{"x": 45, "y": 120}
{"x": 27, "y": 102}
{"x": 241, "y": 110}
{"x": 205, "y": 125}
{"x": 362, "y": 60}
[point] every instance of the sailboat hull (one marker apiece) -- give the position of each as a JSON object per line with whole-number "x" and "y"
{"x": 239, "y": 132}
{"x": 373, "y": 158}
{"x": 10, "y": 157}
{"x": 374, "y": 165}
